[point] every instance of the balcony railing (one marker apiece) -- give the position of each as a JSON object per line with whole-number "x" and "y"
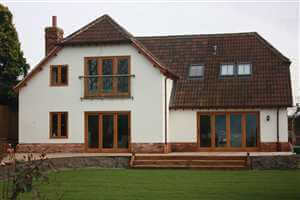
{"x": 106, "y": 86}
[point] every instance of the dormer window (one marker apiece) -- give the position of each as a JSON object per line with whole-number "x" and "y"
{"x": 227, "y": 69}
{"x": 196, "y": 71}
{"x": 244, "y": 69}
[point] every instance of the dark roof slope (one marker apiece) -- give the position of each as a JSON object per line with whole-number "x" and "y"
{"x": 268, "y": 86}
{"x": 103, "y": 29}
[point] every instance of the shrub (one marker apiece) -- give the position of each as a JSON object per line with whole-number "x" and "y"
{"x": 20, "y": 176}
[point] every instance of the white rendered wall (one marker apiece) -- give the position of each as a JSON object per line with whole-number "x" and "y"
{"x": 183, "y": 125}
{"x": 168, "y": 88}
{"x": 37, "y": 99}
{"x": 269, "y": 128}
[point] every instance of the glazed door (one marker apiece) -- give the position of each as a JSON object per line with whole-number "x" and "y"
{"x": 228, "y": 131}
{"x": 92, "y": 132}
{"x": 108, "y": 132}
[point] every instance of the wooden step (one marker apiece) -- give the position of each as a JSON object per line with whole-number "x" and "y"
{"x": 229, "y": 167}
{"x": 190, "y": 162}
{"x": 183, "y": 157}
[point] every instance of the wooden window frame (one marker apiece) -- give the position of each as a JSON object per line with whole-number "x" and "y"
{"x": 59, "y": 72}
{"x": 100, "y": 148}
{"x": 114, "y": 93}
{"x": 228, "y": 136}
{"x": 58, "y": 125}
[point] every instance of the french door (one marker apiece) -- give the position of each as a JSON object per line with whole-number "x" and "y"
{"x": 107, "y": 131}
{"x": 231, "y": 131}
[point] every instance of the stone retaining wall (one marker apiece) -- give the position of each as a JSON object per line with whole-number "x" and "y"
{"x": 92, "y": 161}
{"x": 274, "y": 162}
{"x": 78, "y": 162}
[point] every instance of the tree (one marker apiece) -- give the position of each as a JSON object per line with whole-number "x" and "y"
{"x": 12, "y": 61}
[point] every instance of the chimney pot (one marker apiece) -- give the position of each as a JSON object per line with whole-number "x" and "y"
{"x": 54, "y": 21}
{"x": 53, "y": 35}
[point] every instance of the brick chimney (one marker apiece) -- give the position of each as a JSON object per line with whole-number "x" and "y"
{"x": 53, "y": 35}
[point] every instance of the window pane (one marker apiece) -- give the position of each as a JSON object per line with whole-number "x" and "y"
{"x": 64, "y": 124}
{"x": 108, "y": 131}
{"x": 196, "y": 71}
{"x": 205, "y": 131}
{"x": 221, "y": 130}
{"x": 123, "y": 82}
{"x": 107, "y": 69}
{"x": 54, "y": 75}
{"x": 93, "y": 131}
{"x": 64, "y": 74}
{"x": 251, "y": 130}
{"x": 123, "y": 131}
{"x": 92, "y": 81}
{"x": 244, "y": 69}
{"x": 54, "y": 123}
{"x": 236, "y": 130}
{"x": 227, "y": 70}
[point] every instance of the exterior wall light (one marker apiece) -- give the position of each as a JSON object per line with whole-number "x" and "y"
{"x": 268, "y": 118}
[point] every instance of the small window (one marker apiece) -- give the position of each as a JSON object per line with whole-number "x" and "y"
{"x": 58, "y": 124}
{"x": 227, "y": 70}
{"x": 59, "y": 75}
{"x": 244, "y": 69}
{"x": 196, "y": 71}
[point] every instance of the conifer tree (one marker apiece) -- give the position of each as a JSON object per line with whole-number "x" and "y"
{"x": 12, "y": 61}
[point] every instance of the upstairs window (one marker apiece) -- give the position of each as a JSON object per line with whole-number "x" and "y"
{"x": 58, "y": 75}
{"x": 244, "y": 69}
{"x": 227, "y": 69}
{"x": 107, "y": 76}
{"x": 196, "y": 71}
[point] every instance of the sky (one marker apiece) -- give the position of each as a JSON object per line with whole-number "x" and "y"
{"x": 276, "y": 21}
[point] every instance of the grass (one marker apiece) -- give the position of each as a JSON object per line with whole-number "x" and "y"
{"x": 126, "y": 184}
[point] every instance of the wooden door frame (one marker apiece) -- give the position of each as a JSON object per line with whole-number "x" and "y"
{"x": 115, "y": 149}
{"x": 228, "y": 136}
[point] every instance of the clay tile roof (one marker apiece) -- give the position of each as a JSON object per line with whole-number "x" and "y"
{"x": 268, "y": 86}
{"x": 103, "y": 29}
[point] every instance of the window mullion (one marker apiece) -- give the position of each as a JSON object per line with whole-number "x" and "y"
{"x": 99, "y": 79}
{"x": 115, "y": 145}
{"x": 59, "y": 68}
{"x": 115, "y": 65}
{"x": 227, "y": 129}
{"x": 213, "y": 130}
{"x": 59, "y": 124}
{"x": 243, "y": 129}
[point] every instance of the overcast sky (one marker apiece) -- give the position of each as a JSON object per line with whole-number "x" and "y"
{"x": 277, "y": 22}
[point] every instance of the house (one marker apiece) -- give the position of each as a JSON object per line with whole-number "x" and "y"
{"x": 101, "y": 89}
{"x": 294, "y": 125}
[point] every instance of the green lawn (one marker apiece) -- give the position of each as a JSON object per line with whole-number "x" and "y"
{"x": 122, "y": 184}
